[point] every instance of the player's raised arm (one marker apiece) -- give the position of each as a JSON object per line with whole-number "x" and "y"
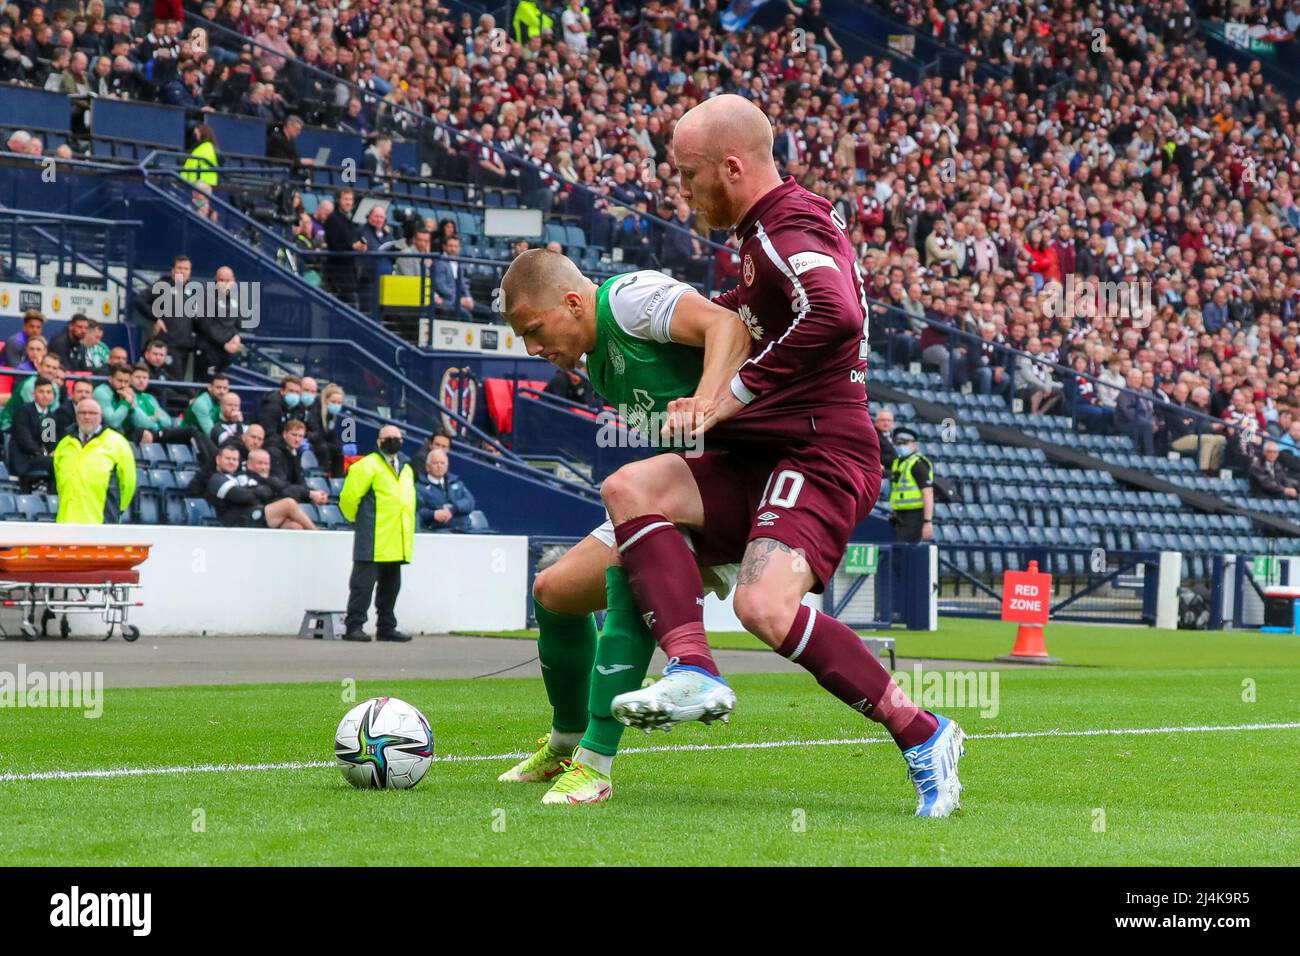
{"x": 726, "y": 342}
{"x": 725, "y": 339}
{"x": 829, "y": 308}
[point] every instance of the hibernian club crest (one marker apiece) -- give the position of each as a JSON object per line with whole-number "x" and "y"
{"x": 616, "y": 359}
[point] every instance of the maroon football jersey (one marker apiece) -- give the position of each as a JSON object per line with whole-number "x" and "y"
{"x": 801, "y": 294}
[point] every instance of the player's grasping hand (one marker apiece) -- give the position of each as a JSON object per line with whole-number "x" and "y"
{"x": 694, "y": 415}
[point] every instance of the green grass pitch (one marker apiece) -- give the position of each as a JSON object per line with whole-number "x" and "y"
{"x": 1164, "y": 798}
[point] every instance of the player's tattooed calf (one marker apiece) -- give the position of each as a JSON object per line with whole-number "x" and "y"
{"x": 756, "y": 557}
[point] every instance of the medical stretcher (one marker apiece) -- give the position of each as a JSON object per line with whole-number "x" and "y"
{"x": 61, "y": 579}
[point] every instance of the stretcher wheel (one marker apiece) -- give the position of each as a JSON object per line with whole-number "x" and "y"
{"x": 130, "y": 632}
{"x": 64, "y": 627}
{"x": 29, "y": 630}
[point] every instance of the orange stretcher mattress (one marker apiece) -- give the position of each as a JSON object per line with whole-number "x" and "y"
{"x": 83, "y": 559}
{"x": 69, "y": 578}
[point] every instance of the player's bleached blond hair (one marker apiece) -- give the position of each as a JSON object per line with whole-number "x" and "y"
{"x": 538, "y": 279}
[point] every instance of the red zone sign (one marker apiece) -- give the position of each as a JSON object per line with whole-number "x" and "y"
{"x": 1026, "y": 597}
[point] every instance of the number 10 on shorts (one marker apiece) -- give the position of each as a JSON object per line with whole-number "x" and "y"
{"x": 784, "y": 487}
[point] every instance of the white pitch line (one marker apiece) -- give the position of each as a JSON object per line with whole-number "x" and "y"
{"x": 665, "y": 748}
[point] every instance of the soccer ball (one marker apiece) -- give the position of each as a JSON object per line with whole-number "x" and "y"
{"x": 383, "y": 744}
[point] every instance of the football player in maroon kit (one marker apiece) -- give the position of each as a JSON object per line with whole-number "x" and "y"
{"x": 793, "y": 462}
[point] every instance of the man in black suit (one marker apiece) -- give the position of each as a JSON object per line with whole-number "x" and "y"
{"x": 33, "y": 437}
{"x": 164, "y": 316}
{"x": 341, "y": 238}
{"x": 885, "y": 430}
{"x": 374, "y": 236}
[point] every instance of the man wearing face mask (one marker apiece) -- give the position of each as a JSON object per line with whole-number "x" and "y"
{"x": 911, "y": 491}
{"x": 278, "y": 407}
{"x": 379, "y": 499}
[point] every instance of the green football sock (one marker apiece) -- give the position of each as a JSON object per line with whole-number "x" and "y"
{"x": 622, "y": 658}
{"x": 566, "y": 647}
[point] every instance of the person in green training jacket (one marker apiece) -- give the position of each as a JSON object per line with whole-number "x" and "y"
{"x": 153, "y": 424}
{"x": 52, "y": 369}
{"x": 378, "y": 497}
{"x": 117, "y": 403}
{"x": 649, "y": 339}
{"x": 204, "y": 411}
{"x": 94, "y": 470}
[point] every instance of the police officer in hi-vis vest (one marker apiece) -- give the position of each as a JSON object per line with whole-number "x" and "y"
{"x": 911, "y": 491}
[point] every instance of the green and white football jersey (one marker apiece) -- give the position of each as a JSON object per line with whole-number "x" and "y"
{"x": 636, "y": 365}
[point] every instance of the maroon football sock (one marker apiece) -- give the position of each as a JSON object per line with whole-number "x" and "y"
{"x": 666, "y": 584}
{"x": 836, "y": 656}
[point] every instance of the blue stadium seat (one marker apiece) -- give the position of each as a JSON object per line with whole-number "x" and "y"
{"x": 331, "y": 517}
{"x": 336, "y": 487}
{"x": 173, "y": 509}
{"x": 29, "y": 507}
{"x": 146, "y": 507}
{"x": 9, "y": 508}
{"x": 154, "y": 455}
{"x": 200, "y": 514}
{"x": 478, "y": 522}
{"x": 162, "y": 479}
{"x": 181, "y": 456}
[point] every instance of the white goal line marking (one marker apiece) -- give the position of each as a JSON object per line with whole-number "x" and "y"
{"x": 665, "y": 748}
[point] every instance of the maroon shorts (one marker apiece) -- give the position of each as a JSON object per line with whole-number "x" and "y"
{"x": 809, "y": 498}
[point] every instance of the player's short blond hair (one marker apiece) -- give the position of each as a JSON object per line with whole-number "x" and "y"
{"x": 538, "y": 279}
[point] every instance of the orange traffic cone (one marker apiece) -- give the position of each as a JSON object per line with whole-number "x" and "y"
{"x": 1031, "y": 647}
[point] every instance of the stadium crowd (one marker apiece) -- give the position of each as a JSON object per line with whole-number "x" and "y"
{"x": 1107, "y": 159}
{"x": 253, "y": 472}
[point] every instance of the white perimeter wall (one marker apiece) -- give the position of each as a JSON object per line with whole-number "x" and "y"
{"x": 246, "y": 581}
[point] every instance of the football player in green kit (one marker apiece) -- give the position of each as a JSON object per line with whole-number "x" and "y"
{"x": 648, "y": 339}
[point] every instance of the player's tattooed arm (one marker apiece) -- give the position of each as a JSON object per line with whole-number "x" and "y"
{"x": 757, "y": 554}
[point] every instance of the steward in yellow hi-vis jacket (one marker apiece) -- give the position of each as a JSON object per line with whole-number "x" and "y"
{"x": 378, "y": 497}
{"x": 94, "y": 470}
{"x": 911, "y": 490}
